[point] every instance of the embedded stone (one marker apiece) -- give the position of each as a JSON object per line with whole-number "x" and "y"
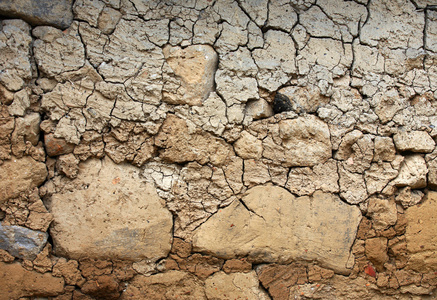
{"x": 304, "y": 142}
{"x": 421, "y": 234}
{"x": 194, "y": 68}
{"x": 40, "y": 12}
{"x": 234, "y": 286}
{"x": 249, "y": 228}
{"x": 17, "y": 282}
{"x": 110, "y": 214}
{"x": 412, "y": 172}
{"x": 415, "y": 141}
{"x": 15, "y": 43}
{"x": 22, "y": 242}
{"x": 19, "y": 175}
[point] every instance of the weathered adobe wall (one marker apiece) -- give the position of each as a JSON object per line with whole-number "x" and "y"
{"x": 218, "y": 149}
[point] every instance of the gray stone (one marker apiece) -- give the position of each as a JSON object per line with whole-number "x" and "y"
{"x": 22, "y": 242}
{"x": 39, "y": 12}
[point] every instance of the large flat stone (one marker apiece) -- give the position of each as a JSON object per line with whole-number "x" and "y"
{"x": 22, "y": 242}
{"x": 421, "y": 234}
{"x": 111, "y": 214}
{"x": 40, "y": 12}
{"x": 271, "y": 225}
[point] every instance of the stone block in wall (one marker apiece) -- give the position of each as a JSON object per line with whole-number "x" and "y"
{"x": 22, "y": 242}
{"x": 18, "y": 175}
{"x": 272, "y": 225}
{"x": 17, "y": 282}
{"x": 40, "y": 12}
{"x": 421, "y": 234}
{"x": 111, "y": 213}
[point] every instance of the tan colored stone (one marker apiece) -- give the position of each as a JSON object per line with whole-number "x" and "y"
{"x": 352, "y": 186}
{"x": 168, "y": 285}
{"x": 110, "y": 214}
{"x": 39, "y": 218}
{"x": 276, "y": 66}
{"x": 56, "y": 52}
{"x": 194, "y": 68}
{"x": 415, "y": 141}
{"x": 108, "y": 19}
{"x": 16, "y": 282}
{"x": 234, "y": 286}
{"x": 304, "y": 99}
{"x": 384, "y": 149}
{"x": 378, "y": 176}
{"x": 248, "y": 146}
{"x": 383, "y": 212}
{"x": 412, "y": 172}
{"x": 20, "y": 175}
{"x": 421, "y": 235}
{"x": 251, "y": 229}
{"x": 182, "y": 142}
{"x": 408, "y": 197}
{"x": 259, "y": 109}
{"x": 305, "y": 181}
{"x": 304, "y": 142}
{"x": 15, "y": 42}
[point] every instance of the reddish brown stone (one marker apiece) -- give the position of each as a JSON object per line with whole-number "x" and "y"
{"x": 105, "y": 286}
{"x": 365, "y": 229}
{"x": 181, "y": 248}
{"x": 376, "y": 252}
{"x": 55, "y": 146}
{"x": 237, "y": 265}
{"x": 279, "y": 278}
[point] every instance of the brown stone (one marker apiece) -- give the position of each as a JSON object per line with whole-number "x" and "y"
{"x": 16, "y": 282}
{"x": 421, "y": 234}
{"x": 69, "y": 270}
{"x": 20, "y": 175}
{"x": 237, "y": 265}
{"x": 102, "y": 287}
{"x": 279, "y": 278}
{"x": 376, "y": 252}
{"x": 182, "y": 143}
{"x": 56, "y": 146}
{"x": 181, "y": 248}
{"x": 168, "y": 285}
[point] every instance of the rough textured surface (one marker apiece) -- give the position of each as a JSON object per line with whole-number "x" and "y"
{"x": 22, "y": 242}
{"x": 20, "y": 175}
{"x": 234, "y": 286}
{"x": 17, "y": 282}
{"x": 244, "y": 227}
{"x": 110, "y": 214}
{"x": 39, "y": 12}
{"x": 421, "y": 234}
{"x": 171, "y": 147}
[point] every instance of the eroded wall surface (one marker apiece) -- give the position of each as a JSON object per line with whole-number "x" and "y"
{"x": 218, "y": 149}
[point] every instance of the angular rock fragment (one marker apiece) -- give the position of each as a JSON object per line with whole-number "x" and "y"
{"x": 22, "y": 242}
{"x": 303, "y": 142}
{"x": 40, "y": 12}
{"x": 250, "y": 228}
{"x": 234, "y": 286}
{"x": 415, "y": 141}
{"x": 15, "y": 42}
{"x": 181, "y": 142}
{"x": 168, "y": 285}
{"x": 19, "y": 175}
{"x": 194, "y": 69}
{"x": 110, "y": 214}
{"x": 412, "y": 172}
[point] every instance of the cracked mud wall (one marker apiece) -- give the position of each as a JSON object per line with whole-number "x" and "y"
{"x": 218, "y": 149}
